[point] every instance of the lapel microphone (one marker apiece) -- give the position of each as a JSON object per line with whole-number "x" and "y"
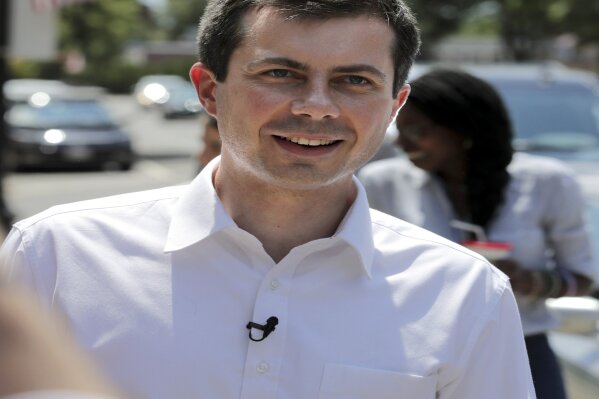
{"x": 266, "y": 329}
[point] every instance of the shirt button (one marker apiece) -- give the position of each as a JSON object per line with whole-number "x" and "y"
{"x": 274, "y": 284}
{"x": 262, "y": 367}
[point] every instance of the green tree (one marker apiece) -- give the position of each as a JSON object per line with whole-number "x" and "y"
{"x": 577, "y": 16}
{"x": 527, "y": 24}
{"x": 100, "y": 29}
{"x": 439, "y": 18}
{"x": 184, "y": 14}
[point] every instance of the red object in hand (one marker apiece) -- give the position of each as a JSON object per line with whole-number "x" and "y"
{"x": 489, "y": 249}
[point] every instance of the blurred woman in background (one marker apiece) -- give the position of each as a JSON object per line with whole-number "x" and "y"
{"x": 456, "y": 134}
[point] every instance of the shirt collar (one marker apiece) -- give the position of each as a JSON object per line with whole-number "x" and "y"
{"x": 199, "y": 213}
{"x": 356, "y": 228}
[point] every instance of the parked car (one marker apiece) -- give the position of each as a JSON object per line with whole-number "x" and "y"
{"x": 151, "y": 90}
{"x": 62, "y": 127}
{"x": 21, "y": 90}
{"x": 182, "y": 102}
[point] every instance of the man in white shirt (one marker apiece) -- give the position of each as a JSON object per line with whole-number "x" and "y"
{"x": 268, "y": 276}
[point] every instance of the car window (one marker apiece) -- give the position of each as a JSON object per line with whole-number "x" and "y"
{"x": 59, "y": 114}
{"x": 554, "y": 115}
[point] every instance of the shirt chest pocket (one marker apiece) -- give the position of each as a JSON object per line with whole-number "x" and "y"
{"x": 348, "y": 382}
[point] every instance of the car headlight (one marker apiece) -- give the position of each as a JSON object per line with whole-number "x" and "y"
{"x": 54, "y": 136}
{"x": 156, "y": 93}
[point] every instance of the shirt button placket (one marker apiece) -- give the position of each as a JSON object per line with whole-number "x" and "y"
{"x": 275, "y": 284}
{"x": 262, "y": 367}
{"x": 264, "y": 358}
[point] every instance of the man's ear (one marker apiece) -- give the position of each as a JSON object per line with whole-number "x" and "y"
{"x": 204, "y": 81}
{"x": 400, "y": 100}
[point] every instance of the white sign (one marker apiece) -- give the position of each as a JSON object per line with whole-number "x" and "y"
{"x": 33, "y": 32}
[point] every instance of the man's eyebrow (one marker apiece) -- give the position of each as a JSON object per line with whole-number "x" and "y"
{"x": 361, "y": 68}
{"x": 282, "y": 61}
{"x": 357, "y": 68}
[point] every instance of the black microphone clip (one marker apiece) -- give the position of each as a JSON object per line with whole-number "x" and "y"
{"x": 266, "y": 329}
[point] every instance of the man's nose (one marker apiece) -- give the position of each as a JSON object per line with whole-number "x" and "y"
{"x": 316, "y": 102}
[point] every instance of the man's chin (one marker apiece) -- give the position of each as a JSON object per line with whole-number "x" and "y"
{"x": 305, "y": 178}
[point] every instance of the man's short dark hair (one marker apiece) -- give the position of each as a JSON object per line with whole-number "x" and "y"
{"x": 221, "y": 30}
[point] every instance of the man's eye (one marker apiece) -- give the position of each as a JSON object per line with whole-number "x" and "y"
{"x": 356, "y": 80}
{"x": 279, "y": 73}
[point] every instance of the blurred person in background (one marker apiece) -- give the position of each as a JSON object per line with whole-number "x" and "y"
{"x": 178, "y": 290}
{"x": 456, "y": 134}
{"x": 210, "y": 140}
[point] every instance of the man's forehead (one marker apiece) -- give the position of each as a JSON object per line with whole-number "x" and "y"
{"x": 277, "y": 30}
{"x": 270, "y": 14}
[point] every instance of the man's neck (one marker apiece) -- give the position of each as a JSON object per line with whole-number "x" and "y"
{"x": 283, "y": 219}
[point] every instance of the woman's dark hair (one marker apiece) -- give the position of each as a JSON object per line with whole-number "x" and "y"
{"x": 221, "y": 27}
{"x": 470, "y": 107}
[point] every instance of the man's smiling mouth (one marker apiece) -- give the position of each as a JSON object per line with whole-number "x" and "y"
{"x": 308, "y": 142}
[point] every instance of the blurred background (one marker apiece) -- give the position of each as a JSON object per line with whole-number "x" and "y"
{"x": 96, "y": 101}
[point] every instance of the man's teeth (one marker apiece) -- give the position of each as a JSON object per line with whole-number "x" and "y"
{"x": 303, "y": 141}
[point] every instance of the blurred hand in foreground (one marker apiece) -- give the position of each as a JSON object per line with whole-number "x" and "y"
{"x": 37, "y": 353}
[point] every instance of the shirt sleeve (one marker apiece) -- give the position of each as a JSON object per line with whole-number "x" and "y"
{"x": 494, "y": 364}
{"x": 12, "y": 255}
{"x": 53, "y": 394}
{"x": 16, "y": 267}
{"x": 564, "y": 222}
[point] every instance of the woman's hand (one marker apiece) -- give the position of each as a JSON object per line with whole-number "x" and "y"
{"x": 520, "y": 279}
{"x": 544, "y": 283}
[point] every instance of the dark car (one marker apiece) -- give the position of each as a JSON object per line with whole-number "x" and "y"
{"x": 70, "y": 130}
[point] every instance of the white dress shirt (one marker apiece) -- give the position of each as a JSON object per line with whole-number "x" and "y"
{"x": 542, "y": 213}
{"x": 161, "y": 284}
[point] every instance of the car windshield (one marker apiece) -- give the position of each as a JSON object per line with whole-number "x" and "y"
{"x": 60, "y": 114}
{"x": 552, "y": 116}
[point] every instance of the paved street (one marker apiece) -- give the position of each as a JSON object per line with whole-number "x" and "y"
{"x": 166, "y": 149}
